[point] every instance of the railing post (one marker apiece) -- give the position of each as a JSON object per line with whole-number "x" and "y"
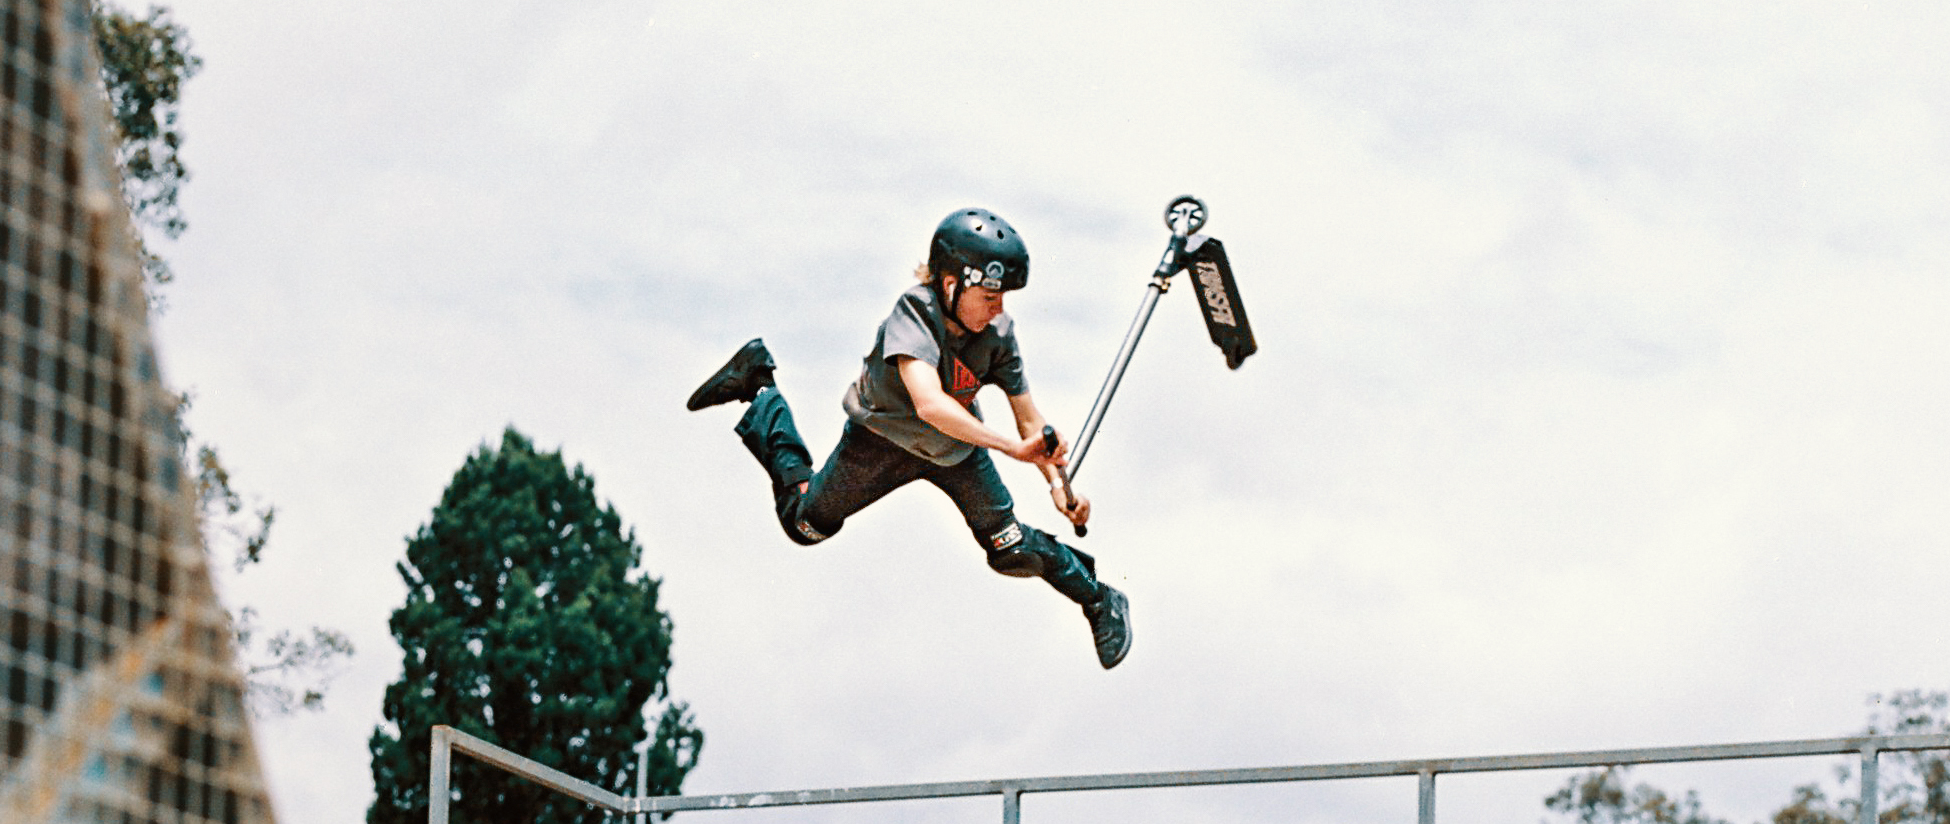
{"x": 643, "y": 778}
{"x": 1011, "y": 805}
{"x": 437, "y": 794}
{"x": 1867, "y": 813}
{"x": 1425, "y": 797}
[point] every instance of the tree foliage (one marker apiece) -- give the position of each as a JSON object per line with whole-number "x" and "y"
{"x": 522, "y": 626}
{"x": 1602, "y": 797}
{"x": 1913, "y": 787}
{"x": 145, "y": 60}
{"x": 287, "y": 671}
{"x": 284, "y": 671}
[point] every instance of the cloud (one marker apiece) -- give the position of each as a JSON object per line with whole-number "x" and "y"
{"x": 1595, "y": 402}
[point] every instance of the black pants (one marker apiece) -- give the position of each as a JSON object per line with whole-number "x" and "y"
{"x": 865, "y": 467}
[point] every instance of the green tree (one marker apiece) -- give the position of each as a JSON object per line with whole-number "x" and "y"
{"x": 522, "y": 626}
{"x": 1913, "y": 787}
{"x": 145, "y": 60}
{"x": 284, "y": 671}
{"x": 1601, "y": 797}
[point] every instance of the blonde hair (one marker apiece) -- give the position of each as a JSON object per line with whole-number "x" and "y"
{"x": 924, "y": 274}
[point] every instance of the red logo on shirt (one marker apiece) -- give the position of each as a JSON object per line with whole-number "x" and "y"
{"x": 965, "y": 384}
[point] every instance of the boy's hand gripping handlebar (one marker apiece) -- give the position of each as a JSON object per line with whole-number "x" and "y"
{"x": 1069, "y": 497}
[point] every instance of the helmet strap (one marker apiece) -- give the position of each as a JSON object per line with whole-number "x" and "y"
{"x": 953, "y": 309}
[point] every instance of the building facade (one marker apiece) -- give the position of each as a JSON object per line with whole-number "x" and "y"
{"x": 120, "y": 699}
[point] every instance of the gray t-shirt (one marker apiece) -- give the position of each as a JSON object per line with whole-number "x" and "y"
{"x": 879, "y": 400}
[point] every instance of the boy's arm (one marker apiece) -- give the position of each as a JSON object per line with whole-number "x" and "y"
{"x": 942, "y": 412}
{"x": 1030, "y": 422}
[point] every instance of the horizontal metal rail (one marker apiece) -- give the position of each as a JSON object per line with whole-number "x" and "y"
{"x": 447, "y": 740}
{"x": 1011, "y": 790}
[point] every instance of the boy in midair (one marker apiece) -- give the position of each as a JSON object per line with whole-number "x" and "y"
{"x": 912, "y": 416}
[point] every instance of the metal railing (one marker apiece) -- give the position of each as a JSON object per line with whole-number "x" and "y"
{"x": 447, "y": 740}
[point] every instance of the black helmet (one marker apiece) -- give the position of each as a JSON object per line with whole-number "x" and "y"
{"x": 980, "y": 249}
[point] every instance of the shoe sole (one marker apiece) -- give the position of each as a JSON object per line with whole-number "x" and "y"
{"x": 747, "y": 357}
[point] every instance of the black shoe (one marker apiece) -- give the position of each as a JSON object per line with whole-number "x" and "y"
{"x": 738, "y": 380}
{"x": 1110, "y": 626}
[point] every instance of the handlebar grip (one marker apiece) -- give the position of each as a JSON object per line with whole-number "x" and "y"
{"x": 1049, "y": 447}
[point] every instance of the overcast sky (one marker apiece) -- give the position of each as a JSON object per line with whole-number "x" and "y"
{"x": 1601, "y": 399}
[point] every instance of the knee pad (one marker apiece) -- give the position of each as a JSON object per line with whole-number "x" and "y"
{"x": 1012, "y": 553}
{"x": 1024, "y": 552}
{"x": 804, "y": 533}
{"x": 800, "y": 529}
